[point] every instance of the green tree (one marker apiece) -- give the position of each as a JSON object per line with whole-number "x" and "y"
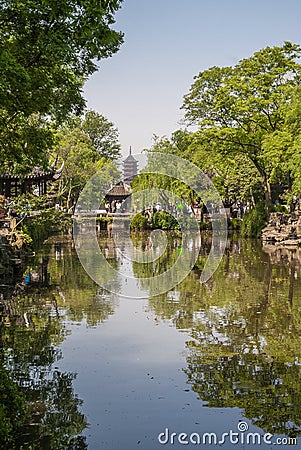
{"x": 243, "y": 109}
{"x": 293, "y": 124}
{"x": 232, "y": 177}
{"x": 86, "y": 145}
{"x": 81, "y": 161}
{"x": 47, "y": 51}
{"x": 103, "y": 134}
{"x": 167, "y": 177}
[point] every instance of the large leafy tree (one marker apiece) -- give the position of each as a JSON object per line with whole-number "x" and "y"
{"x": 81, "y": 161}
{"x": 85, "y": 145}
{"x": 103, "y": 134}
{"x": 166, "y": 176}
{"x": 243, "y": 109}
{"x": 47, "y": 50}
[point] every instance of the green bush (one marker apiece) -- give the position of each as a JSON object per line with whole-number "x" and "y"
{"x": 139, "y": 222}
{"x": 49, "y": 221}
{"x": 254, "y": 221}
{"x": 205, "y": 225}
{"x": 38, "y": 219}
{"x": 236, "y": 224}
{"x": 103, "y": 222}
{"x": 26, "y": 203}
{"x": 280, "y": 208}
{"x": 164, "y": 221}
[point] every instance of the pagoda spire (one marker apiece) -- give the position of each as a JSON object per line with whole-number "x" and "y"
{"x": 130, "y": 167}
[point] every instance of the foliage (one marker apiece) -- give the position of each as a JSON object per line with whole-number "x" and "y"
{"x": 205, "y": 225}
{"x": 104, "y": 136}
{"x": 82, "y": 159}
{"x": 244, "y": 110}
{"x": 38, "y": 219}
{"x": 20, "y": 239}
{"x": 49, "y": 221}
{"x": 47, "y": 51}
{"x": 149, "y": 177}
{"x": 236, "y": 224}
{"x": 280, "y": 208}
{"x": 139, "y": 222}
{"x": 103, "y": 222}
{"x": 26, "y": 203}
{"x": 80, "y": 162}
{"x": 160, "y": 220}
{"x": 254, "y": 221}
{"x": 12, "y": 410}
{"x": 164, "y": 221}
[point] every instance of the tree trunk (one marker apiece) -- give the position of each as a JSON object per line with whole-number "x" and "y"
{"x": 266, "y": 185}
{"x": 69, "y": 196}
{"x": 267, "y": 194}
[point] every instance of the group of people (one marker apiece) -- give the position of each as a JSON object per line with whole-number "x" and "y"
{"x": 234, "y": 208}
{"x": 116, "y": 206}
{"x": 237, "y": 209}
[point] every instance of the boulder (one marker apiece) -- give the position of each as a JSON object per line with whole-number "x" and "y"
{"x": 284, "y": 229}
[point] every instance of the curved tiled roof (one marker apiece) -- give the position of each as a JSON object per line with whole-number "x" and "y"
{"x": 120, "y": 190}
{"x": 130, "y": 158}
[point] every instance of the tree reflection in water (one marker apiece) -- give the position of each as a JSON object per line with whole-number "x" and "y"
{"x": 33, "y": 325}
{"x": 245, "y": 328}
{"x": 244, "y": 325}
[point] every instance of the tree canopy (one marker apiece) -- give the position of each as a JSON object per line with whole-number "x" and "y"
{"x": 103, "y": 134}
{"x": 247, "y": 110}
{"x": 85, "y": 146}
{"x": 47, "y": 51}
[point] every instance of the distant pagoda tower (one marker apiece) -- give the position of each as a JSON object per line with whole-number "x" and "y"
{"x": 130, "y": 168}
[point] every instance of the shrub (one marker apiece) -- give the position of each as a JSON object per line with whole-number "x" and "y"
{"x": 254, "y": 221}
{"x": 205, "y": 225}
{"x": 164, "y": 221}
{"x": 139, "y": 222}
{"x": 236, "y": 224}
{"x": 280, "y": 208}
{"x": 49, "y": 221}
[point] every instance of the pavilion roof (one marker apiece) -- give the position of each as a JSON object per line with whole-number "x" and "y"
{"x": 119, "y": 190}
{"x": 37, "y": 174}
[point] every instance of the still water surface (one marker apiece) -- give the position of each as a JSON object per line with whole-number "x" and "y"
{"x": 105, "y": 372}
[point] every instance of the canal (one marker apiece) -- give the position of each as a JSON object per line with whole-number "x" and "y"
{"x": 216, "y": 364}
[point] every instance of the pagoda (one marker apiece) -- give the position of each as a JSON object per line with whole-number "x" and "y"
{"x": 130, "y": 168}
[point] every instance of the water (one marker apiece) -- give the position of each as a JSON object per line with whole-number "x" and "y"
{"x": 104, "y": 372}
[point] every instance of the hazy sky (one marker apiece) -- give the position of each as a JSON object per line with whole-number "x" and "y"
{"x": 167, "y": 43}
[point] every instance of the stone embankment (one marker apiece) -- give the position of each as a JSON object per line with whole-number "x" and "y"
{"x": 283, "y": 229}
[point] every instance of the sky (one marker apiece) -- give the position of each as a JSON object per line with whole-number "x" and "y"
{"x": 166, "y": 43}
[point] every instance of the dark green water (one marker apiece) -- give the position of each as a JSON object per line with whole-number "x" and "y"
{"x": 103, "y": 372}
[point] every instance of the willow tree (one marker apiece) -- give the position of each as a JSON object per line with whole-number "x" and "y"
{"x": 243, "y": 109}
